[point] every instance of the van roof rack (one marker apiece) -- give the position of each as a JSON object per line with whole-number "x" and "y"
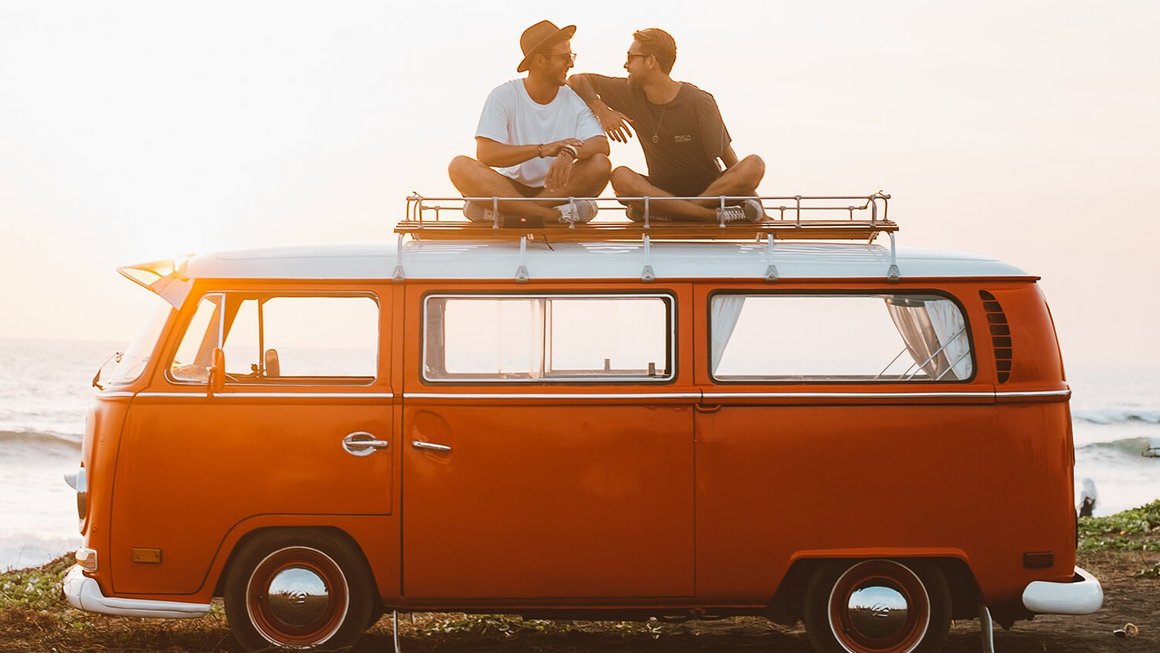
{"x": 809, "y": 217}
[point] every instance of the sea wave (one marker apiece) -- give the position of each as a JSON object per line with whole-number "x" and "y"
{"x": 39, "y": 440}
{"x": 1133, "y": 446}
{"x": 1106, "y": 416}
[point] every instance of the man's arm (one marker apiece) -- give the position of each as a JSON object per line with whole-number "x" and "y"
{"x": 729, "y": 157}
{"x": 500, "y": 155}
{"x": 615, "y": 123}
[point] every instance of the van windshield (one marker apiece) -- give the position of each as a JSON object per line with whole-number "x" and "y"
{"x": 134, "y": 359}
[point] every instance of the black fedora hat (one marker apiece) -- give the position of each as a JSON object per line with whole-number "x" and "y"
{"x": 539, "y": 36}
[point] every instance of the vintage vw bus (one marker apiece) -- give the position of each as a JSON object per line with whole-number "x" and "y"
{"x": 613, "y": 420}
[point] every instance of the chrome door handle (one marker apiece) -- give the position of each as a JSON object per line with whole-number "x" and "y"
{"x": 361, "y": 443}
{"x": 430, "y": 446}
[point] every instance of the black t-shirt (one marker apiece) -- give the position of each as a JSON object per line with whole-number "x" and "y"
{"x": 689, "y": 131}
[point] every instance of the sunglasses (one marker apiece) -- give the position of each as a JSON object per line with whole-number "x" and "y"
{"x": 571, "y": 56}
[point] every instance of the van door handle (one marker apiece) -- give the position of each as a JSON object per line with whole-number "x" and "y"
{"x": 361, "y": 443}
{"x": 430, "y": 446}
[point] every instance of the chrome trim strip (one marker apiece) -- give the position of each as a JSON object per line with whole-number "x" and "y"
{"x": 277, "y": 395}
{"x": 113, "y": 395}
{"x": 740, "y": 395}
{"x": 1036, "y": 393}
{"x": 505, "y": 395}
{"x": 850, "y": 395}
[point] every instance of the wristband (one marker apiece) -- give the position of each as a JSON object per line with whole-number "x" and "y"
{"x": 540, "y": 151}
{"x": 571, "y": 149}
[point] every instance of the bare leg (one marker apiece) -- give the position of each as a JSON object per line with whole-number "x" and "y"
{"x": 628, "y": 183}
{"x": 474, "y": 179}
{"x": 741, "y": 179}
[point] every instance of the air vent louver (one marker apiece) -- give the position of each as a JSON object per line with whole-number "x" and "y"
{"x": 1000, "y": 334}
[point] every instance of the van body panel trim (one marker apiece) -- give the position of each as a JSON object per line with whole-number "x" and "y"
{"x": 553, "y": 395}
{"x": 84, "y": 593}
{"x": 849, "y": 395}
{"x": 275, "y": 395}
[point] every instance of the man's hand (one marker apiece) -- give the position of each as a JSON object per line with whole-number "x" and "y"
{"x": 615, "y": 123}
{"x": 555, "y": 147}
{"x": 559, "y": 172}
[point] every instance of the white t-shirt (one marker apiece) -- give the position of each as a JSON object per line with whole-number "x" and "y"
{"x": 510, "y": 116}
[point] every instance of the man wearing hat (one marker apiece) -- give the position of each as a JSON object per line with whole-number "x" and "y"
{"x": 681, "y": 132}
{"x": 541, "y": 139}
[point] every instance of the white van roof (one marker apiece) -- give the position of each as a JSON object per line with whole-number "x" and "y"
{"x": 497, "y": 260}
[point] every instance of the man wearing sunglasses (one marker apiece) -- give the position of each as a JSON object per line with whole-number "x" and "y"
{"x": 683, "y": 136}
{"x": 536, "y": 139}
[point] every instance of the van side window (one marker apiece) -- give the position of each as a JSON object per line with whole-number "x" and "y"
{"x": 839, "y": 338}
{"x": 284, "y": 339}
{"x": 550, "y": 338}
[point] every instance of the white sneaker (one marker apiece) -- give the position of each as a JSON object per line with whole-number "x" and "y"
{"x": 479, "y": 212}
{"x": 578, "y": 212}
{"x": 747, "y": 211}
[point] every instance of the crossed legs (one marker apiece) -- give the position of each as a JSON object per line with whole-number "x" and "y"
{"x": 474, "y": 179}
{"x": 741, "y": 179}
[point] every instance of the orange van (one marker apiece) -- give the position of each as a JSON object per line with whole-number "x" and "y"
{"x": 609, "y": 420}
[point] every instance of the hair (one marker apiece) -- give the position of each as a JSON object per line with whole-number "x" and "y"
{"x": 659, "y": 44}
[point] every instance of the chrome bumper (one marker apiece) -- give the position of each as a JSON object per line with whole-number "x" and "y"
{"x": 1083, "y": 595}
{"x": 84, "y": 593}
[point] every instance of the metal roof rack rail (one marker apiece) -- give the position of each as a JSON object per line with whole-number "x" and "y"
{"x": 808, "y": 217}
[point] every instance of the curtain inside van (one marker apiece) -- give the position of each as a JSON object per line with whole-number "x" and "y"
{"x": 935, "y": 335}
{"x": 725, "y": 311}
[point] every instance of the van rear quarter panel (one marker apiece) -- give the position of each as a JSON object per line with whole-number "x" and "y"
{"x": 837, "y": 475}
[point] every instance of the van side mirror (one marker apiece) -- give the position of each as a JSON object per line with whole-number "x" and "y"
{"x": 217, "y": 372}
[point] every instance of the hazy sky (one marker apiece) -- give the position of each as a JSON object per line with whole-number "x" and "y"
{"x": 133, "y": 131}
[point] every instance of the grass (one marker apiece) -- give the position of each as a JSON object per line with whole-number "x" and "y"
{"x": 1137, "y": 529}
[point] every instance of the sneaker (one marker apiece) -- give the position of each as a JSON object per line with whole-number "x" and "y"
{"x": 636, "y": 214}
{"x": 477, "y": 212}
{"x": 747, "y": 211}
{"x": 577, "y": 212}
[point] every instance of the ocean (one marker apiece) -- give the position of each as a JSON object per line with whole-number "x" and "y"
{"x": 45, "y": 390}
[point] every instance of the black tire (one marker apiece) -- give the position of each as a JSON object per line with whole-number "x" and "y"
{"x": 854, "y": 607}
{"x": 298, "y": 589}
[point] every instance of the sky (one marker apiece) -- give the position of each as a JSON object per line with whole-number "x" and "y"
{"x": 136, "y": 131}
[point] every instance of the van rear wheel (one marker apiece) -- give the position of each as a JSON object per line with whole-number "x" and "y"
{"x": 299, "y": 589}
{"x": 877, "y": 606}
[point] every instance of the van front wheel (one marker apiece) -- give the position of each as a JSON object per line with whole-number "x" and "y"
{"x": 298, "y": 590}
{"x": 877, "y": 606}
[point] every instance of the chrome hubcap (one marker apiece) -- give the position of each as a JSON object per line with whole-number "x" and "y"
{"x": 878, "y": 611}
{"x": 298, "y": 596}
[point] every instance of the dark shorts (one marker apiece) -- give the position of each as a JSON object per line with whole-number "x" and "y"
{"x": 524, "y": 189}
{"x": 683, "y": 186}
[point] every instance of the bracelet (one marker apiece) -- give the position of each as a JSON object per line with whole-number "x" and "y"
{"x": 571, "y": 149}
{"x": 540, "y": 151}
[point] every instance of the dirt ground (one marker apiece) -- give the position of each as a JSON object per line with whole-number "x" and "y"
{"x": 1127, "y": 599}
